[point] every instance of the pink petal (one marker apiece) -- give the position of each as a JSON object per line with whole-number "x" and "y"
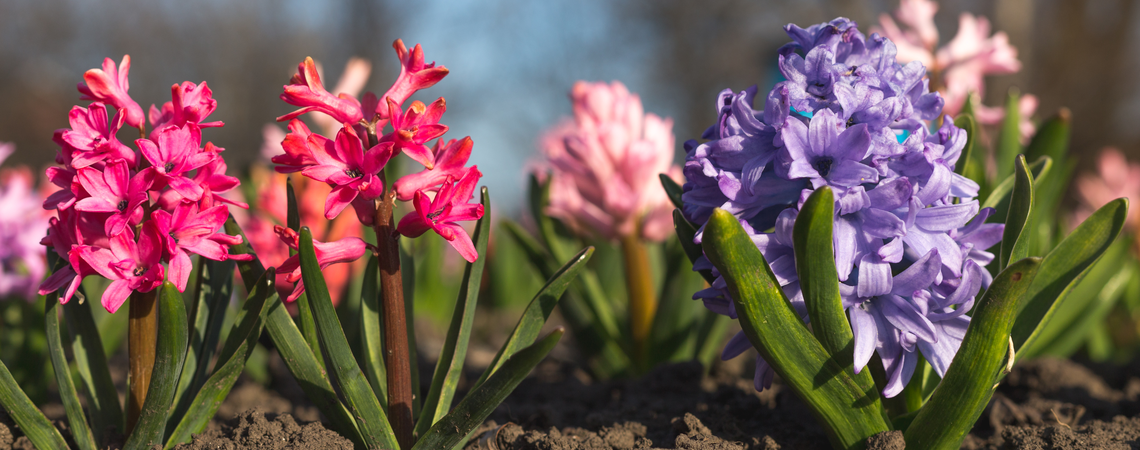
{"x": 115, "y": 295}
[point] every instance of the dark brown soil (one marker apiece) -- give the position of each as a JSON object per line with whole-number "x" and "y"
{"x": 1043, "y": 404}
{"x": 255, "y": 430}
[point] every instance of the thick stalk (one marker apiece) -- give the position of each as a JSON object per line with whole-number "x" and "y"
{"x": 141, "y": 334}
{"x": 642, "y": 301}
{"x": 396, "y": 353}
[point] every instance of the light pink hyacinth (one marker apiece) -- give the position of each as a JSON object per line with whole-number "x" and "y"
{"x": 22, "y": 264}
{"x": 604, "y": 165}
{"x": 1116, "y": 178}
{"x": 961, "y": 65}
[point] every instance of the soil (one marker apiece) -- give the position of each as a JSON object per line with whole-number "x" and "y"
{"x": 1043, "y": 404}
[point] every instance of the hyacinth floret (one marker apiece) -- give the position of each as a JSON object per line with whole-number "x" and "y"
{"x": 910, "y": 239}
{"x": 135, "y": 221}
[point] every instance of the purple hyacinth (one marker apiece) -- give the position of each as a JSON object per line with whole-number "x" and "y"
{"x": 910, "y": 241}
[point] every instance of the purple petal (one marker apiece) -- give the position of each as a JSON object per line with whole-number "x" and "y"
{"x": 851, "y": 173}
{"x": 845, "y": 246}
{"x": 941, "y": 353}
{"x": 943, "y": 218}
{"x": 919, "y": 275}
{"x": 882, "y": 224}
{"x": 874, "y": 276}
{"x": 903, "y": 316}
{"x": 891, "y": 194}
{"x": 735, "y": 346}
{"x": 866, "y": 335}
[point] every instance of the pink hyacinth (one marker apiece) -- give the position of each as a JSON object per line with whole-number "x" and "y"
{"x": 353, "y": 163}
{"x": 109, "y": 85}
{"x": 345, "y": 250}
{"x": 439, "y": 214}
{"x": 134, "y": 225}
{"x": 605, "y": 163}
{"x": 1115, "y": 178}
{"x": 959, "y": 67}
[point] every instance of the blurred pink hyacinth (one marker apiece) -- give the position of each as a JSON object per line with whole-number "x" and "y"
{"x": 604, "y": 165}
{"x": 1116, "y": 178}
{"x": 958, "y": 69}
{"x": 22, "y": 263}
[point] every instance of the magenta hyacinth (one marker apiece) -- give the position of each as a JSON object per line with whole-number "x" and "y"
{"x": 604, "y": 165}
{"x": 130, "y": 224}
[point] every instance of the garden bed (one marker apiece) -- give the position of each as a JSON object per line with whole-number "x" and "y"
{"x": 1042, "y": 404}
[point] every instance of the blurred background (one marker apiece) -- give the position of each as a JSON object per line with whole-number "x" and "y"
{"x": 513, "y": 61}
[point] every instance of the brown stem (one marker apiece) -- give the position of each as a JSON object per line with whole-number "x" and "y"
{"x": 642, "y": 301}
{"x": 141, "y": 334}
{"x": 396, "y": 354}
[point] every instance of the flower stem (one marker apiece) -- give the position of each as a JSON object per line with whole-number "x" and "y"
{"x": 642, "y": 301}
{"x": 396, "y": 352}
{"x": 141, "y": 335}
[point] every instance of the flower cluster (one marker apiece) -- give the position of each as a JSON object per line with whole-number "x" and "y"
{"x": 22, "y": 264}
{"x": 604, "y": 165}
{"x": 910, "y": 242}
{"x": 352, "y": 162}
{"x": 962, "y": 63}
{"x": 124, "y": 212}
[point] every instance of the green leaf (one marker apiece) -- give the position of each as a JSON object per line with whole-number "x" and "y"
{"x": 449, "y": 366}
{"x": 80, "y": 431}
{"x": 672, "y": 189}
{"x": 298, "y": 357}
{"x": 308, "y": 328}
{"x": 1068, "y": 262}
{"x": 981, "y": 361}
{"x": 848, "y": 413}
{"x": 819, "y": 282}
{"x": 362, "y": 402}
{"x": 1052, "y": 138}
{"x": 483, "y": 399}
{"x": 685, "y": 233}
{"x": 371, "y": 335}
{"x": 213, "y": 287}
{"x": 1014, "y": 242}
{"x": 1086, "y": 306}
{"x": 676, "y": 333}
{"x": 238, "y": 346}
{"x": 168, "y": 358}
{"x": 91, "y": 362}
{"x": 967, "y": 165}
{"x": 21, "y": 409}
{"x": 539, "y": 309}
{"x": 1009, "y": 137}
{"x": 999, "y": 197}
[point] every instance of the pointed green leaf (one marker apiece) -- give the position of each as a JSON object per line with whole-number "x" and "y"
{"x": 371, "y": 334}
{"x": 981, "y": 361}
{"x": 168, "y": 358}
{"x": 91, "y": 362}
{"x": 675, "y": 335}
{"x": 685, "y": 233}
{"x": 213, "y": 287}
{"x": 819, "y": 282}
{"x": 80, "y": 431}
{"x": 1009, "y": 137}
{"x": 238, "y": 346}
{"x": 539, "y": 309}
{"x": 672, "y": 189}
{"x": 370, "y": 417}
{"x": 848, "y": 413}
{"x": 308, "y": 328}
{"x": 1052, "y": 138}
{"x": 21, "y": 409}
{"x": 1068, "y": 262}
{"x": 449, "y": 366}
{"x": 298, "y": 357}
{"x": 483, "y": 399}
{"x": 1081, "y": 313}
{"x": 1014, "y": 242}
{"x": 999, "y": 198}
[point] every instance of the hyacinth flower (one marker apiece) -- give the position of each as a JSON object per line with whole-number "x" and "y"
{"x": 441, "y": 213}
{"x": 22, "y": 263}
{"x": 136, "y": 223}
{"x": 844, "y": 204}
{"x": 602, "y": 170}
{"x": 342, "y": 251}
{"x": 958, "y": 69}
